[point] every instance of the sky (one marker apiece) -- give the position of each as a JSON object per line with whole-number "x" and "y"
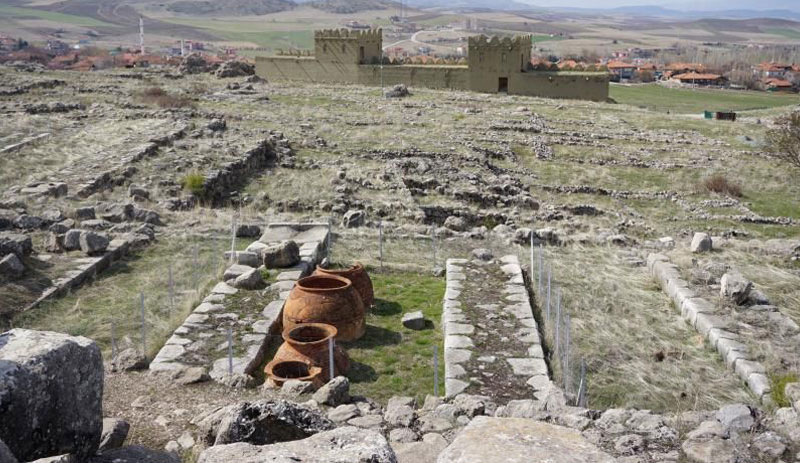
{"x": 674, "y": 4}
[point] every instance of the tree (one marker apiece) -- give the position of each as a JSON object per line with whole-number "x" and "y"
{"x": 784, "y": 140}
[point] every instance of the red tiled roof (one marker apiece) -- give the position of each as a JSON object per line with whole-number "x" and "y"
{"x": 697, "y": 76}
{"x": 685, "y": 66}
{"x": 620, "y": 65}
{"x": 778, "y": 82}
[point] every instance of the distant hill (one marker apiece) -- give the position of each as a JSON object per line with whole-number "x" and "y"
{"x": 473, "y": 4}
{"x": 230, "y": 7}
{"x": 353, "y": 6}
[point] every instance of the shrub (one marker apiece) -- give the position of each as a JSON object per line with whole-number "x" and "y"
{"x": 720, "y": 184}
{"x": 159, "y": 97}
{"x": 193, "y": 182}
{"x": 784, "y": 140}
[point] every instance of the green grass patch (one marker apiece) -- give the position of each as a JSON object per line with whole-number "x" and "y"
{"x": 390, "y": 359}
{"x": 783, "y": 32}
{"x": 115, "y": 295}
{"x": 32, "y": 13}
{"x": 778, "y": 384}
{"x": 684, "y": 100}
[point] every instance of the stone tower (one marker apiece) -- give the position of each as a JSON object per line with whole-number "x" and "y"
{"x": 493, "y": 63}
{"x": 348, "y": 47}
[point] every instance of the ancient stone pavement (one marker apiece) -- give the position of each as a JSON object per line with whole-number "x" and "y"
{"x": 492, "y": 343}
{"x": 199, "y": 343}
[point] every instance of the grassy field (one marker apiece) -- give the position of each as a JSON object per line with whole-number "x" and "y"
{"x": 681, "y": 100}
{"x": 114, "y": 295}
{"x": 32, "y": 13}
{"x": 391, "y": 359}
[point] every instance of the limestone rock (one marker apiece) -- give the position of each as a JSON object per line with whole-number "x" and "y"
{"x": 51, "y": 390}
{"x": 345, "y": 444}
{"x": 482, "y": 254}
{"x": 519, "y": 440}
{"x": 93, "y": 243}
{"x": 343, "y": 413}
{"x": 249, "y": 280}
{"x": 414, "y": 320}
{"x": 281, "y": 255}
{"x": 398, "y": 91}
{"x": 736, "y": 418}
{"x": 72, "y": 240}
{"x": 708, "y": 450}
{"x": 135, "y": 454}
{"x": 244, "y": 230}
{"x": 11, "y": 267}
{"x": 399, "y": 415}
{"x": 425, "y": 451}
{"x": 129, "y": 359}
{"x": 334, "y": 393}
{"x": 249, "y": 259}
{"x": 15, "y": 243}
{"x": 701, "y": 242}
{"x": 456, "y": 223}
{"x": 262, "y": 422}
{"x": 353, "y": 219}
{"x": 735, "y": 287}
{"x": 294, "y": 388}
{"x": 114, "y": 433}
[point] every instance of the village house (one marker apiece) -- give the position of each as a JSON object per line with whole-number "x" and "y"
{"x": 696, "y": 78}
{"x": 621, "y": 70}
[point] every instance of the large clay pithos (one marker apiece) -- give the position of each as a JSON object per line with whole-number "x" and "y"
{"x": 326, "y": 299}
{"x": 309, "y": 343}
{"x": 358, "y": 276}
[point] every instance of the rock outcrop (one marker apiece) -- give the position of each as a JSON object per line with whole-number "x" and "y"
{"x": 51, "y": 391}
{"x": 347, "y": 444}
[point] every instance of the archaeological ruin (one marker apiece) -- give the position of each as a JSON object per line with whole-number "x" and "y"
{"x": 494, "y": 65}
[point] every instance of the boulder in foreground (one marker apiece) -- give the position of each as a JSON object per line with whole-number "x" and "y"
{"x": 519, "y": 440}
{"x": 341, "y": 445}
{"x": 51, "y": 393}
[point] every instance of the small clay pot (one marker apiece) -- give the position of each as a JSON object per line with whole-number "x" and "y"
{"x": 281, "y": 371}
{"x": 309, "y": 343}
{"x": 358, "y": 276}
{"x": 326, "y": 299}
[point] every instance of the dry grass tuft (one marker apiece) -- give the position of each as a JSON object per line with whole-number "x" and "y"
{"x": 720, "y": 184}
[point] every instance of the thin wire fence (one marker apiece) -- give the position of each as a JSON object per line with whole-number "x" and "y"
{"x": 567, "y": 365}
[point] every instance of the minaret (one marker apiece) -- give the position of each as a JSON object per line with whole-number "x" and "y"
{"x": 141, "y": 36}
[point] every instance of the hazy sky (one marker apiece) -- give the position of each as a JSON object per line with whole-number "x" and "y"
{"x": 675, "y": 4}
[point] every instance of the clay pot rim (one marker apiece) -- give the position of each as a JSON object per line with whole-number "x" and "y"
{"x": 312, "y": 370}
{"x": 346, "y": 283}
{"x": 331, "y": 329}
{"x": 341, "y": 271}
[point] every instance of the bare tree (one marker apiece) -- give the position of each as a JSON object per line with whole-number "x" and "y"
{"x": 784, "y": 139}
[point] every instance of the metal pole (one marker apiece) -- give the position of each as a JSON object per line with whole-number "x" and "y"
{"x": 328, "y": 242}
{"x": 531, "y": 267}
{"x": 171, "y": 291}
{"x": 233, "y": 238}
{"x": 144, "y": 332}
{"x": 230, "y": 351}
{"x": 436, "y": 371}
{"x": 549, "y": 275}
{"x": 196, "y": 267}
{"x": 113, "y": 345}
{"x": 567, "y": 374}
{"x": 582, "y": 388}
{"x": 433, "y": 235}
{"x": 380, "y": 242}
{"x": 541, "y": 268}
{"x": 330, "y": 356}
{"x": 558, "y": 326}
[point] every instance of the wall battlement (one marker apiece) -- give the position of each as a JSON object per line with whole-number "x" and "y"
{"x": 368, "y": 35}
{"x": 483, "y": 42}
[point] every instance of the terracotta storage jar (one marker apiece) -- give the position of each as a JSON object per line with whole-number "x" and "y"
{"x": 326, "y": 299}
{"x": 282, "y": 371}
{"x": 358, "y": 276}
{"x": 309, "y": 343}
